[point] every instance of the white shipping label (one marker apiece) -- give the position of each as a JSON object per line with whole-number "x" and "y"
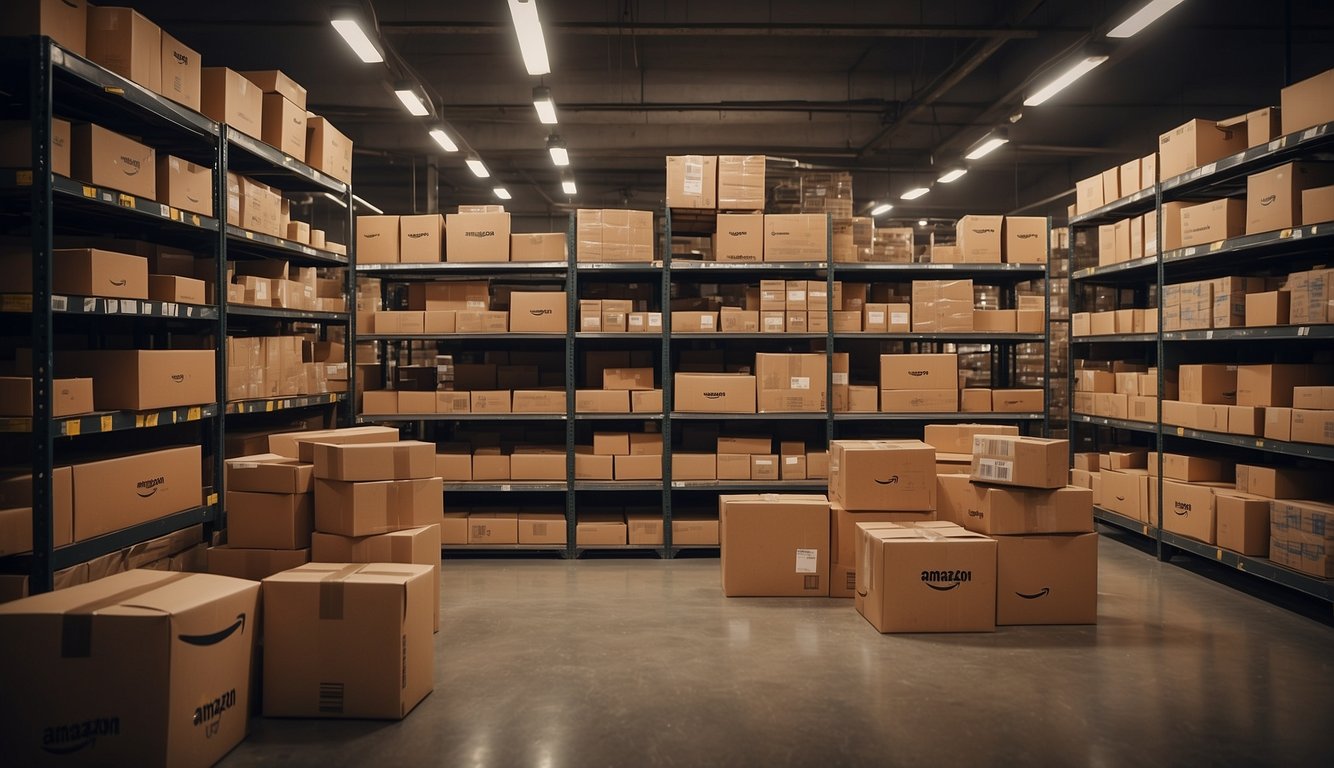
{"x": 706, "y": 321}
{"x": 791, "y": 460}
{"x": 799, "y": 382}
{"x": 898, "y": 318}
{"x": 875, "y": 318}
{"x": 795, "y": 296}
{"x": 592, "y": 322}
{"x": 763, "y": 462}
{"x": 655, "y": 320}
{"x": 773, "y": 322}
{"x": 840, "y": 377}
{"x": 476, "y": 304}
{"x": 694, "y": 177}
{"x": 807, "y": 560}
{"x": 636, "y": 321}
{"x": 995, "y": 469}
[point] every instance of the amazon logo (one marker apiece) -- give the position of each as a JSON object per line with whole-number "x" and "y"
{"x": 539, "y": 312}
{"x": 919, "y": 373}
{"x": 977, "y": 513}
{"x": 1028, "y": 236}
{"x": 191, "y": 197}
{"x": 131, "y": 166}
{"x": 146, "y": 488}
{"x": 944, "y": 581}
{"x": 179, "y": 378}
{"x": 1181, "y": 508}
{"x": 417, "y": 235}
{"x": 1034, "y": 596}
{"x": 117, "y": 283}
{"x": 370, "y": 235}
{"x": 1268, "y": 199}
{"x": 739, "y": 233}
{"x": 480, "y": 233}
{"x": 71, "y": 738}
{"x": 714, "y": 395}
{"x": 893, "y": 480}
{"x": 180, "y": 58}
{"x": 984, "y": 231}
{"x": 775, "y": 233}
{"x": 215, "y": 637}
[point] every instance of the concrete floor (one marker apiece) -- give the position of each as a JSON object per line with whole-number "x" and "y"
{"x": 613, "y": 662}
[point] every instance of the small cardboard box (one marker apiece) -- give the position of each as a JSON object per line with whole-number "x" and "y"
{"x": 228, "y": 97}
{"x": 1241, "y": 522}
{"x": 627, "y": 378}
{"x": 796, "y": 237}
{"x": 1031, "y": 462}
{"x": 108, "y": 159}
{"x": 174, "y": 289}
{"x": 477, "y": 237}
{"x": 594, "y": 530}
{"x": 1213, "y": 221}
{"x": 638, "y": 467}
{"x": 421, "y": 239}
{"x": 541, "y": 528}
{"x": 328, "y": 150}
{"x": 1317, "y": 204}
{"x": 1017, "y": 400}
{"x": 1188, "y": 509}
{"x": 372, "y": 626}
{"x": 69, "y": 397}
{"x": 694, "y": 322}
{"x": 1013, "y": 511}
{"x": 715, "y": 393}
{"x": 790, "y": 382}
{"x": 919, "y": 371}
{"x": 269, "y": 473}
{"x": 926, "y": 577}
{"x": 377, "y": 242}
{"x": 919, "y": 400}
{"x": 1047, "y": 579}
{"x": 1025, "y": 240}
{"x": 141, "y": 379}
{"x": 646, "y": 401}
{"x": 774, "y": 545}
{"x": 601, "y": 401}
{"x": 1193, "y": 144}
{"x": 368, "y": 508}
{"x": 692, "y": 181}
{"x": 546, "y": 247}
{"x": 184, "y": 185}
{"x": 64, "y": 21}
{"x": 283, "y": 125}
{"x": 1268, "y": 308}
{"x": 958, "y": 438}
{"x": 882, "y": 475}
{"x": 1307, "y": 103}
{"x": 119, "y": 648}
{"x": 694, "y": 466}
{"x": 537, "y": 312}
{"x": 979, "y": 239}
{"x": 1274, "y": 197}
{"x": 739, "y": 238}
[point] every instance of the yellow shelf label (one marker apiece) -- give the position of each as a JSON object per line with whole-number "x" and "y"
{"x": 150, "y": 420}
{"x": 72, "y": 428}
{"x": 125, "y": 200}
{"x": 106, "y": 423}
{"x": 192, "y": 414}
{"x": 23, "y": 178}
{"x": 89, "y": 191}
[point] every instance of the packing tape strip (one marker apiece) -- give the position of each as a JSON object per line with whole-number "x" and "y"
{"x": 332, "y": 592}
{"x": 76, "y": 625}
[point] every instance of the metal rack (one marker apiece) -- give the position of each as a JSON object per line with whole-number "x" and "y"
{"x": 49, "y": 79}
{"x": 1286, "y": 249}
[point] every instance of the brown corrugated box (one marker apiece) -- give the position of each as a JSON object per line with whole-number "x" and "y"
{"x": 420, "y": 546}
{"x": 1047, "y": 579}
{"x": 126, "y": 43}
{"x": 364, "y": 509}
{"x": 601, "y": 530}
{"x": 539, "y": 246}
{"x": 927, "y": 577}
{"x": 714, "y": 393}
{"x": 269, "y": 473}
{"x": 790, "y": 382}
{"x": 537, "y": 312}
{"x": 254, "y": 564}
{"x": 139, "y": 379}
{"x": 692, "y": 181}
{"x": 184, "y": 185}
{"x": 882, "y": 475}
{"x": 69, "y": 397}
{"x": 397, "y": 460}
{"x": 283, "y": 125}
{"x": 739, "y": 238}
{"x": 107, "y": 159}
{"x": 1193, "y": 144}
{"x": 1024, "y": 461}
{"x": 64, "y": 21}
{"x": 230, "y": 98}
{"x": 269, "y": 520}
{"x": 477, "y": 237}
{"x": 796, "y": 237}
{"x": 774, "y": 545}
{"x": 328, "y": 150}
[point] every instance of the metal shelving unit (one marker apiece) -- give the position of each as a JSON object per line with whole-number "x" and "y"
{"x": 1288, "y": 249}
{"x": 51, "y": 80}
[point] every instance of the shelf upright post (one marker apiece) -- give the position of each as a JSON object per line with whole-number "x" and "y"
{"x": 829, "y": 332}
{"x": 668, "y": 383}
{"x": 350, "y": 342}
{"x": 571, "y": 365}
{"x": 1046, "y": 336}
{"x": 1162, "y": 370}
{"x": 43, "y": 454}
{"x": 220, "y": 160}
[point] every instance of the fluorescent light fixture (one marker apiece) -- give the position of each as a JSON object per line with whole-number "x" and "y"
{"x": 1066, "y": 78}
{"x": 411, "y": 101}
{"x": 559, "y": 154}
{"x": 952, "y": 176}
{"x": 568, "y": 187}
{"x": 989, "y": 143}
{"x": 443, "y": 139}
{"x": 335, "y": 198}
{"x": 921, "y": 222}
{"x": 502, "y": 193}
{"x": 478, "y": 168}
{"x": 546, "y": 108}
{"x": 915, "y": 193}
{"x": 364, "y": 204}
{"x": 347, "y": 25}
{"x": 529, "y": 30}
{"x": 882, "y": 209}
{"x": 1143, "y": 17}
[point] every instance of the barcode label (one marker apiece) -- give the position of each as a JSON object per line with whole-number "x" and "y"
{"x": 840, "y": 378}
{"x": 991, "y": 445}
{"x": 811, "y": 582}
{"x": 706, "y": 321}
{"x": 875, "y": 318}
{"x": 807, "y": 560}
{"x": 790, "y": 460}
{"x": 331, "y": 698}
{"x": 994, "y": 469}
{"x": 799, "y": 382}
{"x": 693, "y": 183}
{"x": 898, "y": 318}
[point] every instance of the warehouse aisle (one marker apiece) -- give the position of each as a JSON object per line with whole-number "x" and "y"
{"x": 607, "y": 662}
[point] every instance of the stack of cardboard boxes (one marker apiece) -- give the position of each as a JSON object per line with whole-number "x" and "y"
{"x": 1119, "y": 390}
{"x": 613, "y": 235}
{"x": 279, "y": 366}
{"x": 476, "y": 233}
{"x": 270, "y": 516}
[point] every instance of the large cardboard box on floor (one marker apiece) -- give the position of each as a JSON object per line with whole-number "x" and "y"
{"x": 774, "y": 545}
{"x": 925, "y": 577}
{"x": 152, "y": 669}
{"x": 692, "y": 181}
{"x": 1047, "y": 579}
{"x": 882, "y": 475}
{"x": 345, "y": 640}
{"x": 413, "y": 545}
{"x": 365, "y": 509}
{"x": 843, "y": 534}
{"x": 1032, "y": 462}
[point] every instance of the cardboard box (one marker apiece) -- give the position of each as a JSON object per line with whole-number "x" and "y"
{"x": 118, "y": 648}
{"x": 269, "y": 520}
{"x": 253, "y": 564}
{"x": 627, "y": 378}
{"x": 739, "y": 238}
{"x": 1310, "y": 426}
{"x": 646, "y": 401}
{"x": 958, "y": 438}
{"x": 1017, "y": 400}
{"x": 942, "y": 306}
{"x": 994, "y": 320}
{"x": 928, "y": 577}
{"x": 541, "y": 528}
{"x": 1025, "y": 240}
{"x": 497, "y": 401}
{"x": 638, "y": 467}
{"x": 790, "y": 382}
{"x": 300, "y": 445}
{"x": 919, "y": 371}
{"x": 1242, "y": 522}
{"x": 184, "y": 185}
{"x": 1307, "y": 103}
{"x": 843, "y": 533}
{"x": 126, "y": 43}
{"x": 378, "y": 243}
{"x": 328, "y": 150}
{"x": 1024, "y": 461}
{"x": 1317, "y": 205}
{"x": 420, "y": 546}
{"x": 230, "y": 98}
{"x": 1047, "y": 579}
{"x": 1278, "y": 423}
{"x": 139, "y": 380}
{"x": 882, "y": 475}
{"x": 1208, "y": 383}
{"x": 692, "y": 181}
{"x": 1213, "y": 221}
{"x": 64, "y": 21}
{"x": 539, "y": 247}
{"x": 108, "y": 159}
{"x": 283, "y": 125}
{"x": 16, "y": 511}
{"x": 170, "y": 288}
{"x": 537, "y": 312}
{"x": 397, "y": 460}
{"x": 694, "y": 322}
{"x": 1274, "y": 197}
{"x": 1188, "y": 509}
{"x": 1126, "y": 492}
{"x": 477, "y": 237}
{"x": 493, "y": 528}
{"x": 1267, "y": 385}
{"x": 372, "y": 626}
{"x": 269, "y": 473}
{"x": 601, "y": 401}
{"x": 535, "y": 464}
{"x": 979, "y": 239}
{"x": 741, "y": 182}
{"x": 69, "y": 397}
{"x": 1279, "y": 483}
{"x": 919, "y": 400}
{"x": 694, "y": 466}
{"x": 796, "y": 237}
{"x": 1088, "y": 195}
{"x": 368, "y": 508}
{"x": 16, "y": 145}
{"x": 714, "y": 393}
{"x": 774, "y": 545}
{"x": 1194, "y": 144}
{"x": 1314, "y": 398}
{"x": 1111, "y": 185}
{"x": 1013, "y": 511}
{"x": 420, "y": 239}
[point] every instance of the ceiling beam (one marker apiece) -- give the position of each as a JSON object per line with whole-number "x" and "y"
{"x": 600, "y": 29}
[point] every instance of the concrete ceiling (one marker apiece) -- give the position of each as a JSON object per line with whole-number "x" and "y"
{"x": 890, "y": 90}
